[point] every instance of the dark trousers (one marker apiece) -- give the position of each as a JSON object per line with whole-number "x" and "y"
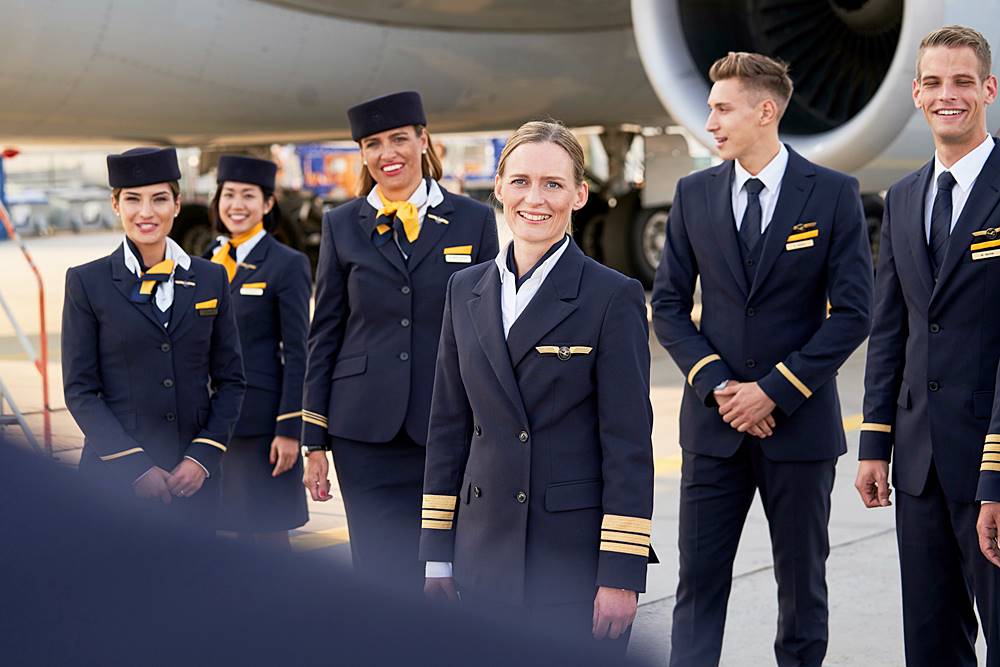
{"x": 382, "y": 486}
{"x": 716, "y": 494}
{"x": 943, "y": 575}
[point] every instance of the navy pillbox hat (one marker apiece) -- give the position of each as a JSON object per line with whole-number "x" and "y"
{"x": 386, "y": 113}
{"x": 247, "y": 170}
{"x": 143, "y": 166}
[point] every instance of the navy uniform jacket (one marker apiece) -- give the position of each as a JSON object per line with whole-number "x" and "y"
{"x": 775, "y": 331}
{"x": 374, "y": 335}
{"x": 270, "y": 292}
{"x": 932, "y": 358}
{"x": 139, "y": 392}
{"x": 542, "y": 443}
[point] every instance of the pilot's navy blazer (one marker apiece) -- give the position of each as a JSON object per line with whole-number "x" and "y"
{"x": 142, "y": 394}
{"x": 270, "y": 293}
{"x": 541, "y": 443}
{"x": 374, "y": 334}
{"x": 776, "y": 331}
{"x": 932, "y": 358}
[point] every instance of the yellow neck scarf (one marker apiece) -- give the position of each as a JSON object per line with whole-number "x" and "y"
{"x": 158, "y": 273}
{"x": 226, "y": 254}
{"x": 406, "y": 211}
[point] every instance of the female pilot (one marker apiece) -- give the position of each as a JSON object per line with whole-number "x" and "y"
{"x": 146, "y": 332}
{"x": 539, "y": 471}
{"x": 385, "y": 260}
{"x": 270, "y": 285}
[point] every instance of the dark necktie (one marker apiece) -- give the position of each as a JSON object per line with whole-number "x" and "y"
{"x": 941, "y": 220}
{"x": 753, "y": 216}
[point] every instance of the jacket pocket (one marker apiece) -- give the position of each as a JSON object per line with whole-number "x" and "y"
{"x": 350, "y": 366}
{"x": 567, "y": 496}
{"x": 903, "y": 400}
{"x": 982, "y": 404}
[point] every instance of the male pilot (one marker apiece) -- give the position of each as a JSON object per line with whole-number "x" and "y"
{"x": 786, "y": 284}
{"x": 932, "y": 359}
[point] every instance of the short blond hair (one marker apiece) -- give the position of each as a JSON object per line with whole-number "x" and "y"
{"x": 957, "y": 37}
{"x": 542, "y": 132}
{"x": 760, "y": 74}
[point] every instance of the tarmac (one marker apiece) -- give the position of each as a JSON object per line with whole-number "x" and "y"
{"x": 863, "y": 571}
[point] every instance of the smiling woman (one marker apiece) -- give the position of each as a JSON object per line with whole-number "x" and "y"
{"x": 147, "y": 331}
{"x": 384, "y": 264}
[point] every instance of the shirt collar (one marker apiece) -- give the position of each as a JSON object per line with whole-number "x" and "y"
{"x": 540, "y": 270}
{"x": 967, "y": 169}
{"x": 174, "y": 252}
{"x": 244, "y": 249}
{"x": 770, "y": 175}
{"x": 427, "y": 195}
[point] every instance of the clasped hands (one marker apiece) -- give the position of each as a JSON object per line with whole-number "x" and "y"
{"x": 745, "y": 407}
{"x": 184, "y": 481}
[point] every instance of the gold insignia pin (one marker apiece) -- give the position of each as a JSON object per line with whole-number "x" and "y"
{"x": 990, "y": 232}
{"x": 802, "y": 226}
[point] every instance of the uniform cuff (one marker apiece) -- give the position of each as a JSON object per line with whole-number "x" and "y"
{"x": 624, "y": 552}
{"x": 289, "y": 425}
{"x": 191, "y": 458}
{"x": 784, "y": 388}
{"x": 706, "y": 374}
{"x": 436, "y": 569}
{"x": 875, "y": 445}
{"x": 315, "y": 429}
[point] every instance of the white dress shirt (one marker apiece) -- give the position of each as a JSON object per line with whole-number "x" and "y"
{"x": 965, "y": 172}
{"x": 423, "y": 197}
{"x": 771, "y": 176}
{"x": 513, "y": 301}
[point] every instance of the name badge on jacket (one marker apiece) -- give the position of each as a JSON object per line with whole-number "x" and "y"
{"x": 803, "y": 236}
{"x": 206, "y": 308}
{"x": 253, "y": 289}
{"x": 458, "y": 254}
{"x": 986, "y": 249}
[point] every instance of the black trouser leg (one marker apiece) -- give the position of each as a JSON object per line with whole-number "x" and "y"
{"x": 382, "y": 485}
{"x": 715, "y": 496}
{"x": 796, "y": 500}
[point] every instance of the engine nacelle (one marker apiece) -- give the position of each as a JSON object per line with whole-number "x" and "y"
{"x": 852, "y": 62}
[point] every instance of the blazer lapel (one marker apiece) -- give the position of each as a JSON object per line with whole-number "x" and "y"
{"x": 248, "y": 267}
{"x": 913, "y": 219}
{"x": 550, "y": 306}
{"x": 488, "y": 322}
{"x": 982, "y": 200}
{"x": 723, "y": 221}
{"x": 183, "y": 298}
{"x": 796, "y": 185}
{"x": 432, "y": 229}
{"x": 388, "y": 249}
{"x": 124, "y": 280}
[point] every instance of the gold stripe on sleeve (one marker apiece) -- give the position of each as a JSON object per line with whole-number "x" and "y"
{"x": 121, "y": 454}
{"x": 437, "y": 502}
{"x": 991, "y": 448}
{"x": 631, "y": 549}
{"x": 705, "y": 361}
{"x": 437, "y": 514}
{"x": 435, "y": 525}
{"x": 629, "y": 524}
{"x": 993, "y": 438}
{"x": 289, "y": 415}
{"x": 877, "y": 428}
{"x": 790, "y": 376}
{"x": 991, "y": 458}
{"x": 632, "y": 538}
{"x": 210, "y": 442}
{"x": 993, "y": 467}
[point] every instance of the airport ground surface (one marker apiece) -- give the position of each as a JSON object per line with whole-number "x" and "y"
{"x": 863, "y": 573}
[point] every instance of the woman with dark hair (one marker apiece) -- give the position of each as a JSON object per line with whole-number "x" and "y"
{"x": 270, "y": 286}
{"x": 151, "y": 359}
{"x": 384, "y": 264}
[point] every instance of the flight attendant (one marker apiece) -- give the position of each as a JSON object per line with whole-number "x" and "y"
{"x": 270, "y": 286}
{"x": 930, "y": 377}
{"x": 538, "y": 485}
{"x": 151, "y": 356}
{"x": 385, "y": 260}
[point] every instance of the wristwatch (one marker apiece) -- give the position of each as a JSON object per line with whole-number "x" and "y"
{"x": 309, "y": 449}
